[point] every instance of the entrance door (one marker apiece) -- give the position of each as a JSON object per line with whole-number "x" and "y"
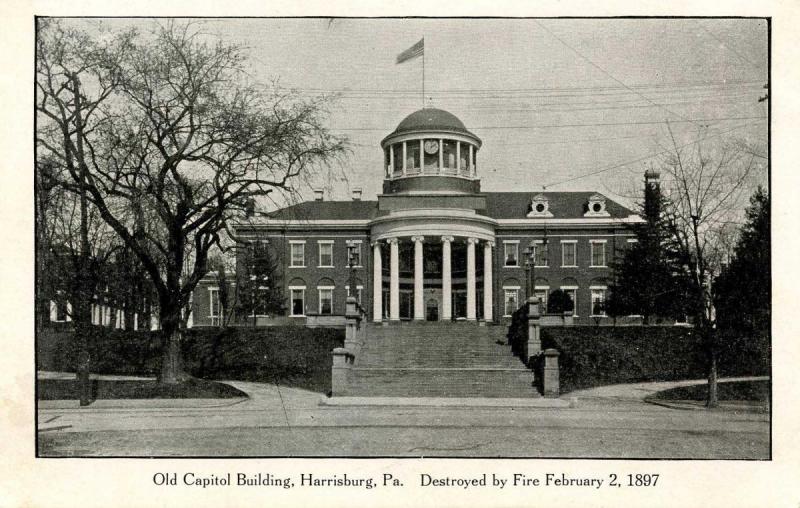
{"x": 432, "y": 310}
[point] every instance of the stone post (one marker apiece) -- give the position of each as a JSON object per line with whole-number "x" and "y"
{"x": 550, "y": 380}
{"x": 534, "y": 345}
{"x": 352, "y": 317}
{"x": 340, "y": 373}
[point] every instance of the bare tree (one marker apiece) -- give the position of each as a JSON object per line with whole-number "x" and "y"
{"x": 183, "y": 145}
{"x": 706, "y": 190}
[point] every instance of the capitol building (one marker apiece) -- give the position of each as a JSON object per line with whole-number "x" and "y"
{"x": 434, "y": 246}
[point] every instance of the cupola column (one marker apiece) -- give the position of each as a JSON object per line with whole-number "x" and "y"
{"x": 447, "y": 283}
{"x": 405, "y": 157}
{"x": 377, "y": 284}
{"x": 419, "y": 307}
{"x": 471, "y": 278}
{"x": 458, "y": 156}
{"x": 391, "y": 160}
{"x": 471, "y": 164}
{"x": 421, "y": 155}
{"x": 487, "y": 281}
{"x": 441, "y": 155}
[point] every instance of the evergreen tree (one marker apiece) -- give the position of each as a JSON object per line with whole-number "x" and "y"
{"x": 648, "y": 278}
{"x": 258, "y": 290}
{"x": 743, "y": 291}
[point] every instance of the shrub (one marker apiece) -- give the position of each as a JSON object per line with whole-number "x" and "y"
{"x": 559, "y": 302}
{"x": 595, "y": 356}
{"x": 289, "y": 355}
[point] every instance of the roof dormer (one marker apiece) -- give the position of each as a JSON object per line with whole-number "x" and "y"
{"x": 596, "y": 206}
{"x": 540, "y": 206}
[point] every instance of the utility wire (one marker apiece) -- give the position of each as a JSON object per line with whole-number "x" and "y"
{"x": 606, "y": 72}
{"x": 729, "y": 48}
{"x": 558, "y": 126}
{"x": 649, "y": 156}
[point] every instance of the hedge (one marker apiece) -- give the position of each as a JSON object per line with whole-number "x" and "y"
{"x": 601, "y": 355}
{"x": 290, "y": 355}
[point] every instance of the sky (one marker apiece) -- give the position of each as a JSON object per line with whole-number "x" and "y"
{"x": 560, "y": 104}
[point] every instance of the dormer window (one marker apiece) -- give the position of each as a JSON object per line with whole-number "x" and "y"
{"x": 596, "y": 206}
{"x": 540, "y": 207}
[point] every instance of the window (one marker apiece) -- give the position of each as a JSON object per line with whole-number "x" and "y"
{"x": 354, "y": 252}
{"x": 398, "y": 157}
{"x": 412, "y": 156}
{"x": 598, "y": 301}
{"x": 298, "y": 254}
{"x": 464, "y": 154}
{"x": 214, "y": 308}
{"x": 598, "y": 252}
{"x": 511, "y": 300}
{"x": 298, "y": 296}
{"x": 357, "y": 295}
{"x": 541, "y": 292}
{"x": 325, "y": 300}
{"x": 213, "y": 302}
{"x": 539, "y": 253}
{"x": 511, "y": 253}
{"x": 325, "y": 253}
{"x": 568, "y": 257}
{"x": 572, "y": 292}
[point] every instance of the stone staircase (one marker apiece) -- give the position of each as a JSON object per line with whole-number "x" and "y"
{"x": 424, "y": 359}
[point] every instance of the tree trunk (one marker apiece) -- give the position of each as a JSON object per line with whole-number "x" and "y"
{"x": 712, "y": 401}
{"x": 171, "y": 356}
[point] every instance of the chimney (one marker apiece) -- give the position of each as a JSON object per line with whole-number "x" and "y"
{"x": 318, "y": 194}
{"x": 250, "y": 208}
{"x": 357, "y": 194}
{"x": 652, "y": 197}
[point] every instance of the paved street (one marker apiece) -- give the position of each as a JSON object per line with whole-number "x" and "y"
{"x": 280, "y": 421}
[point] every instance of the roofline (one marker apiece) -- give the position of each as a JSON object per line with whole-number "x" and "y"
{"x": 500, "y": 223}
{"x": 414, "y": 134}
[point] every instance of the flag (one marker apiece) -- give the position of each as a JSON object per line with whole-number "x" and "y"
{"x": 412, "y": 52}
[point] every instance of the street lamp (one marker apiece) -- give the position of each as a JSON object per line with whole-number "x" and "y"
{"x": 528, "y": 256}
{"x": 352, "y": 263}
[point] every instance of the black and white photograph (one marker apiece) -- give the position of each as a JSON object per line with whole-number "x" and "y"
{"x": 403, "y": 238}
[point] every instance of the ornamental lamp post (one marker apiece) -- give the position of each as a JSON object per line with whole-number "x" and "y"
{"x": 351, "y": 263}
{"x": 528, "y": 254}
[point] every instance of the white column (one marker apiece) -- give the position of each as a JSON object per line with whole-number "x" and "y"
{"x": 391, "y": 161}
{"x": 471, "y": 278}
{"x": 447, "y": 284}
{"x": 394, "y": 280}
{"x": 377, "y": 283}
{"x": 469, "y": 163}
{"x": 419, "y": 307}
{"x": 441, "y": 155}
{"x": 487, "y": 281}
{"x": 405, "y": 157}
{"x": 458, "y": 156}
{"x": 421, "y": 155}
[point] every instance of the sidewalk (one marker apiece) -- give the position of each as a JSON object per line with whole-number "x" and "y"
{"x": 639, "y": 392}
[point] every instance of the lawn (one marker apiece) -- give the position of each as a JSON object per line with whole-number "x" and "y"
{"x": 738, "y": 390}
{"x": 67, "y": 389}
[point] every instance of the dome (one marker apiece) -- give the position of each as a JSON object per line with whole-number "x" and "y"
{"x": 431, "y": 119}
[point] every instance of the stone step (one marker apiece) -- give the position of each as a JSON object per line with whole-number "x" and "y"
{"x": 487, "y": 382}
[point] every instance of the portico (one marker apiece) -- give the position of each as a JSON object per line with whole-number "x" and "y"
{"x": 433, "y": 277}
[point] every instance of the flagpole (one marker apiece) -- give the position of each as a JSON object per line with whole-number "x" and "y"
{"x": 423, "y": 73}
